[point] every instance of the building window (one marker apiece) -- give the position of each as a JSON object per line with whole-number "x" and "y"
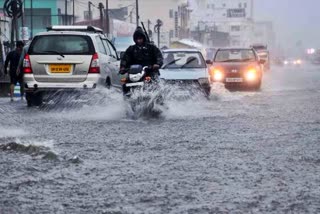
{"x": 240, "y": 5}
{"x": 245, "y": 5}
{"x": 208, "y": 6}
{"x": 235, "y": 28}
{"x": 212, "y": 6}
{"x": 223, "y": 5}
{"x": 41, "y": 17}
{"x": 236, "y": 43}
{"x": 171, "y": 13}
{"x": 171, "y": 34}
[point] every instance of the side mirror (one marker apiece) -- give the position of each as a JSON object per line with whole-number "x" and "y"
{"x": 262, "y": 61}
{"x": 208, "y": 62}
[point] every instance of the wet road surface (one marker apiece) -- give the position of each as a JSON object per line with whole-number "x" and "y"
{"x": 240, "y": 152}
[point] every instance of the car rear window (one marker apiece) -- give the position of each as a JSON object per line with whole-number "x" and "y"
{"x": 62, "y": 44}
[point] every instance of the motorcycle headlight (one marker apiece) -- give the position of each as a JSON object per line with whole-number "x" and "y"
{"x": 135, "y": 77}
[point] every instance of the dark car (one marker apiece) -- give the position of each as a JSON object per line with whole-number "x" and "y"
{"x": 237, "y": 67}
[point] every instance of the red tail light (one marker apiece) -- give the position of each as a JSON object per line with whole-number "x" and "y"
{"x": 95, "y": 65}
{"x": 27, "y": 65}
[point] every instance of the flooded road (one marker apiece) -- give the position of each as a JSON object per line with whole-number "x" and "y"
{"x": 239, "y": 152}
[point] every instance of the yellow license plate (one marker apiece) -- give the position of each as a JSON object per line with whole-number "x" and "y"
{"x": 60, "y": 68}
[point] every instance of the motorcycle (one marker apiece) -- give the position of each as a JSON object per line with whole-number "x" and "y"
{"x": 141, "y": 90}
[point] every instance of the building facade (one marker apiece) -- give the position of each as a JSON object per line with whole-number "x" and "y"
{"x": 173, "y": 14}
{"x": 234, "y": 17}
{"x": 264, "y": 34}
{"x": 38, "y": 14}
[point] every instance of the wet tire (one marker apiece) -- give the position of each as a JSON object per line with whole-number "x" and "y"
{"x": 257, "y": 87}
{"x": 34, "y": 99}
{"x": 37, "y": 99}
{"x": 29, "y": 98}
{"x": 108, "y": 83}
{"x": 206, "y": 90}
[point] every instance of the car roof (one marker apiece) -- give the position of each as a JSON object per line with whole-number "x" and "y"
{"x": 78, "y": 28}
{"x": 180, "y": 50}
{"x": 236, "y": 48}
{"x": 65, "y": 33}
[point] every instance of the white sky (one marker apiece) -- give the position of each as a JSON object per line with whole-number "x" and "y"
{"x": 294, "y": 20}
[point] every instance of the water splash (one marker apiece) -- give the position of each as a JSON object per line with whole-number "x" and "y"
{"x": 6, "y": 132}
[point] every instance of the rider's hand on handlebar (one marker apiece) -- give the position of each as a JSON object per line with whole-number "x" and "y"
{"x": 122, "y": 71}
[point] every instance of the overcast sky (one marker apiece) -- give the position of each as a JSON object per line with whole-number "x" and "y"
{"x": 294, "y": 20}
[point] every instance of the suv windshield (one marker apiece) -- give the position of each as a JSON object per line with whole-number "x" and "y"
{"x": 62, "y": 44}
{"x": 183, "y": 60}
{"x": 235, "y": 55}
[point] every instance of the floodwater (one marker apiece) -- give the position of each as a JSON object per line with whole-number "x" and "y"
{"x": 239, "y": 152}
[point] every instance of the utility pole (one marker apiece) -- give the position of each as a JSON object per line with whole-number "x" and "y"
{"x": 65, "y": 12}
{"x": 31, "y": 19}
{"x": 131, "y": 19}
{"x": 149, "y": 28}
{"x": 73, "y": 19}
{"x": 137, "y": 12}
{"x": 107, "y": 18}
{"x": 101, "y": 7}
{"x": 89, "y": 7}
{"x": 22, "y": 17}
{"x": 252, "y": 9}
{"x": 157, "y": 30}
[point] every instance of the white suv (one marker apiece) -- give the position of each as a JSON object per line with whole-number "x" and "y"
{"x": 67, "y": 57}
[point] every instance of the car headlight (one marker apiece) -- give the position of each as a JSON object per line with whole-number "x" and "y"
{"x": 251, "y": 75}
{"x": 216, "y": 74}
{"x": 286, "y": 62}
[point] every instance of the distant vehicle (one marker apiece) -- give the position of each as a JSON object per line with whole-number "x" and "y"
{"x": 185, "y": 68}
{"x": 210, "y": 52}
{"x": 263, "y": 53}
{"x": 292, "y": 61}
{"x": 315, "y": 59}
{"x": 122, "y": 43}
{"x": 237, "y": 67}
{"x": 67, "y": 57}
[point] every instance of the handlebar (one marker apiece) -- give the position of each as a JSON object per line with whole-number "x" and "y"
{"x": 147, "y": 69}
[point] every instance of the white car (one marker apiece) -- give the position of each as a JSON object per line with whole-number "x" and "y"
{"x": 184, "y": 68}
{"x": 67, "y": 58}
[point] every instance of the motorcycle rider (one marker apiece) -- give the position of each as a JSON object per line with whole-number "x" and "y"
{"x": 141, "y": 53}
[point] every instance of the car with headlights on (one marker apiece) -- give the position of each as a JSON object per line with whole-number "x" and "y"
{"x": 237, "y": 67}
{"x": 185, "y": 69}
{"x": 292, "y": 62}
{"x": 67, "y": 58}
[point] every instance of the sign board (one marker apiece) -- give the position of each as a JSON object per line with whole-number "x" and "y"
{"x": 24, "y": 33}
{"x": 236, "y": 13}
